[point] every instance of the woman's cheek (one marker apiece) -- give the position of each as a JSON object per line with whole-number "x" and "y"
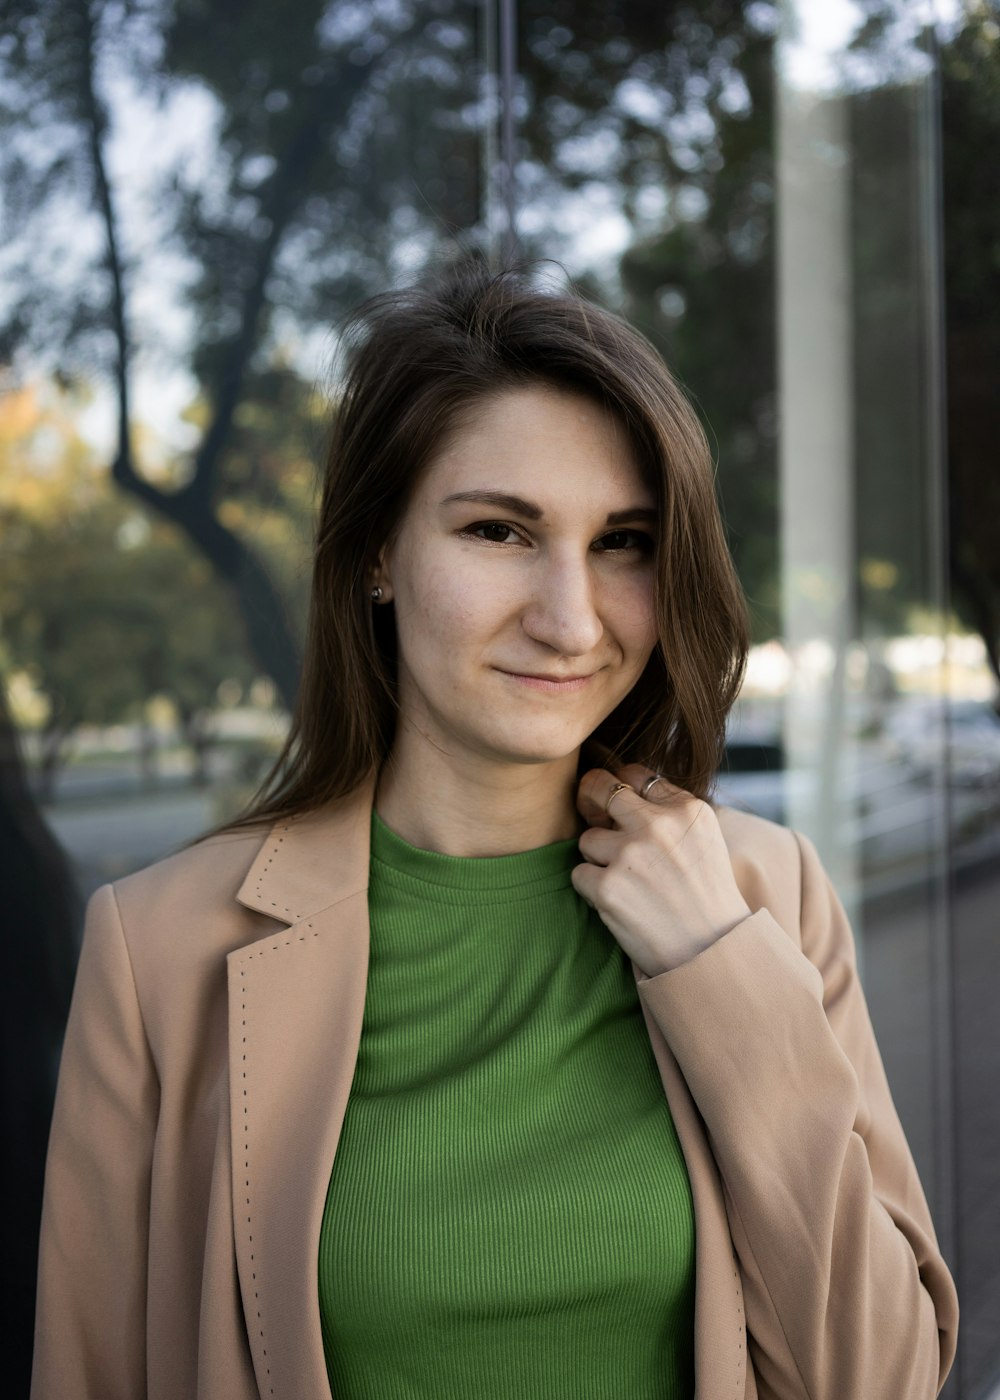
{"x": 449, "y": 607}
{"x": 635, "y": 610}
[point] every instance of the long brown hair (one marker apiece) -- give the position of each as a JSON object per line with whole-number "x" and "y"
{"x": 418, "y": 361}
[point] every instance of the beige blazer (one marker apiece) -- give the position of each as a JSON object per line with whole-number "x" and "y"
{"x": 206, "y": 1069}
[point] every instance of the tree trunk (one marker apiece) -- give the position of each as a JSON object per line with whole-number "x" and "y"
{"x": 261, "y": 606}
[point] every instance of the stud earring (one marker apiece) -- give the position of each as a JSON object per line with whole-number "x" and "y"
{"x": 376, "y": 593}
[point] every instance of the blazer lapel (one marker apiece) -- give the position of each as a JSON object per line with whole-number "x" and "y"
{"x": 296, "y": 1002}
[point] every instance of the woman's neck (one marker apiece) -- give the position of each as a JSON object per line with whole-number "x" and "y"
{"x": 476, "y": 807}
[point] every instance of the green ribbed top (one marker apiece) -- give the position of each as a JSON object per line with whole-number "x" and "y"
{"x": 509, "y": 1215}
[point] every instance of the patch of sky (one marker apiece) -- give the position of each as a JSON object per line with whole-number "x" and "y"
{"x": 761, "y": 17}
{"x": 651, "y": 203}
{"x": 68, "y": 243}
{"x": 157, "y": 141}
{"x": 409, "y": 255}
{"x": 309, "y": 349}
{"x": 734, "y": 96}
{"x": 815, "y": 52}
{"x": 449, "y": 36}
{"x": 643, "y": 103}
{"x": 255, "y": 169}
{"x": 344, "y": 24}
{"x": 475, "y": 116}
{"x": 42, "y": 139}
{"x": 590, "y": 151}
{"x": 584, "y": 228}
{"x": 690, "y": 203}
{"x": 692, "y": 126}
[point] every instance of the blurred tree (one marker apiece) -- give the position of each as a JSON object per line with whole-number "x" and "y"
{"x": 630, "y": 96}
{"x": 101, "y": 607}
{"x": 324, "y": 173}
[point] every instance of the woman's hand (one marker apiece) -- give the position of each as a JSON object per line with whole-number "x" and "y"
{"x": 656, "y": 868}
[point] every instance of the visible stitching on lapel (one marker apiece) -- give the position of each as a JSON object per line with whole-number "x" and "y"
{"x": 271, "y": 947}
{"x": 246, "y": 1164}
{"x": 263, "y": 873}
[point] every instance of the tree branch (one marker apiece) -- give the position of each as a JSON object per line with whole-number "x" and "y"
{"x": 96, "y": 123}
{"x": 283, "y": 195}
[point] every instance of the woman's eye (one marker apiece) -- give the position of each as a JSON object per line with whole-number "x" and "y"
{"x": 618, "y": 540}
{"x": 493, "y": 530}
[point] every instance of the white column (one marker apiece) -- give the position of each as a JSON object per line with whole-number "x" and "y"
{"x": 816, "y": 468}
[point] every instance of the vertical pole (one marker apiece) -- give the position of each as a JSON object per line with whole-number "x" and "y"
{"x": 508, "y": 127}
{"x": 490, "y": 147}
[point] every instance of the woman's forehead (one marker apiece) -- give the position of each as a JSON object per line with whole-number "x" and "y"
{"x": 541, "y": 445}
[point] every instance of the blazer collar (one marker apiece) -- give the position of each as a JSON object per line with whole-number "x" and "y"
{"x": 311, "y": 861}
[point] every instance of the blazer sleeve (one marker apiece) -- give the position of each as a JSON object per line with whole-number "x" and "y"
{"x": 90, "y": 1325}
{"x": 846, "y": 1293}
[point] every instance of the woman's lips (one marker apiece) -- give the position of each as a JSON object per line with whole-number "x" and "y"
{"x": 547, "y": 683}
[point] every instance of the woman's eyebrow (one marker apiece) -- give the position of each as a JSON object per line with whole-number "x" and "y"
{"x": 517, "y": 505}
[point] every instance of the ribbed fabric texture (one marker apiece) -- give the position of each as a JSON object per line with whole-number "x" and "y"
{"x": 509, "y": 1215}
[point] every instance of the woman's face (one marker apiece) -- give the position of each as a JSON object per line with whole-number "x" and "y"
{"x": 523, "y": 558}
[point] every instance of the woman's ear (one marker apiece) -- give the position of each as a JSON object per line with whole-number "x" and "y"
{"x": 378, "y": 576}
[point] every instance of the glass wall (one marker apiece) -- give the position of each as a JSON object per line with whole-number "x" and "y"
{"x": 783, "y": 199}
{"x": 790, "y": 200}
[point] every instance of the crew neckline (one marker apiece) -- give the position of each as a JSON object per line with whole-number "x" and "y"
{"x": 479, "y": 874}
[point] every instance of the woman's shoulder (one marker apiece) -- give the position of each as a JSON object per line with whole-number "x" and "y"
{"x": 205, "y": 868}
{"x": 189, "y": 896}
{"x": 755, "y": 837}
{"x": 767, "y": 862}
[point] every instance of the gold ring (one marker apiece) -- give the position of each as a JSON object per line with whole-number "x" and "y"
{"x": 618, "y": 787}
{"x": 647, "y": 786}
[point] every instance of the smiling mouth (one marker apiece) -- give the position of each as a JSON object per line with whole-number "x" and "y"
{"x": 552, "y": 683}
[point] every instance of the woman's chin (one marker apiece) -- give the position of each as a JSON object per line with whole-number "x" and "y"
{"x": 545, "y": 748}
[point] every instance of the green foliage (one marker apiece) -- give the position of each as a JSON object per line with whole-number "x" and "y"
{"x": 100, "y": 606}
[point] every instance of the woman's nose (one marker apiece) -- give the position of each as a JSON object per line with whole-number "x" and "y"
{"x": 563, "y": 611}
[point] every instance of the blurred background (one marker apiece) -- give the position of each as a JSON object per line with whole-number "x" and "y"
{"x": 798, "y": 203}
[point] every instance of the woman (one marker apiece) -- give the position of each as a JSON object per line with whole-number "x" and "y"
{"x": 485, "y": 1056}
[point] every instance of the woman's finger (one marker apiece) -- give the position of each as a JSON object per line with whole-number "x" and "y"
{"x": 604, "y": 799}
{"x": 649, "y": 784}
{"x": 598, "y": 845}
{"x": 584, "y": 880}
